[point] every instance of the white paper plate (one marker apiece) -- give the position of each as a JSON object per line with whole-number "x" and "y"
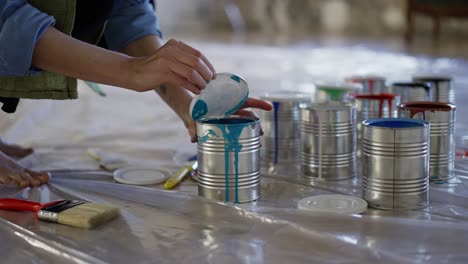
{"x": 141, "y": 175}
{"x": 333, "y": 203}
{"x": 222, "y": 96}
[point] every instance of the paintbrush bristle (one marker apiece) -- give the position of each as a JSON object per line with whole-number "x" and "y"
{"x": 87, "y": 215}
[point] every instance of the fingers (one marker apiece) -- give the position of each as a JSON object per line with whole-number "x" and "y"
{"x": 197, "y": 64}
{"x": 173, "y": 78}
{"x": 43, "y": 177}
{"x": 181, "y": 45}
{"x": 256, "y": 103}
{"x": 187, "y": 73}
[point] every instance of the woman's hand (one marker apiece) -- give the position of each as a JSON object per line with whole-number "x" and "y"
{"x": 173, "y": 65}
{"x": 13, "y": 172}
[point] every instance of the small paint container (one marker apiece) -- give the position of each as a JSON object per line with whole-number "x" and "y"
{"x": 335, "y": 93}
{"x": 441, "y": 87}
{"x": 395, "y": 157}
{"x": 328, "y": 141}
{"x": 442, "y": 146}
{"x": 228, "y": 152}
{"x": 412, "y": 91}
{"x": 377, "y": 105}
{"x": 371, "y": 84}
{"x": 280, "y": 141}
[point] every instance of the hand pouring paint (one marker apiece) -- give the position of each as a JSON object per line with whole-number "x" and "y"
{"x": 228, "y": 146}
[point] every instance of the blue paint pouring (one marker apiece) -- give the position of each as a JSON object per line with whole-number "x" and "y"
{"x": 275, "y": 113}
{"x": 199, "y": 110}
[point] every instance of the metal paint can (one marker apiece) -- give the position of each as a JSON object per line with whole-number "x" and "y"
{"x": 442, "y": 147}
{"x": 395, "y": 155}
{"x": 335, "y": 93}
{"x": 228, "y": 153}
{"x": 412, "y": 91}
{"x": 441, "y": 86}
{"x": 328, "y": 141}
{"x": 377, "y": 105}
{"x": 280, "y": 140}
{"x": 371, "y": 84}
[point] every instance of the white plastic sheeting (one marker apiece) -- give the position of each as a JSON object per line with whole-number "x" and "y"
{"x": 158, "y": 226}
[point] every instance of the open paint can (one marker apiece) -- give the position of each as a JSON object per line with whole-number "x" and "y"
{"x": 371, "y": 84}
{"x": 395, "y": 158}
{"x": 441, "y": 87}
{"x": 228, "y": 148}
{"x": 412, "y": 91}
{"x": 335, "y": 93}
{"x": 442, "y": 119}
{"x": 229, "y": 158}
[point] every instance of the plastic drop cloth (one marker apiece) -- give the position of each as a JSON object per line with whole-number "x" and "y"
{"x": 158, "y": 226}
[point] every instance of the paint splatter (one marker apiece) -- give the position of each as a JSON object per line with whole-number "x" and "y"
{"x": 199, "y": 110}
{"x": 207, "y": 135}
{"x": 275, "y": 113}
{"x": 235, "y": 78}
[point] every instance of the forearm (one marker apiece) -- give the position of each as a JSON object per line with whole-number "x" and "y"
{"x": 59, "y": 53}
{"x": 176, "y": 97}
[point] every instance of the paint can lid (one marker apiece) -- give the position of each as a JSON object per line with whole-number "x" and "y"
{"x": 222, "y": 96}
{"x": 333, "y": 203}
{"x": 140, "y": 175}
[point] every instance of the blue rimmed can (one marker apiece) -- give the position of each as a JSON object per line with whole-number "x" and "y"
{"x": 395, "y": 159}
{"x": 228, "y": 152}
{"x": 281, "y": 127}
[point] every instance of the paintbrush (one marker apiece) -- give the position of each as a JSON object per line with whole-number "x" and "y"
{"x": 175, "y": 179}
{"x": 67, "y": 212}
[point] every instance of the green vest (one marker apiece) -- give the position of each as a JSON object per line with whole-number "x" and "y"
{"x": 46, "y": 85}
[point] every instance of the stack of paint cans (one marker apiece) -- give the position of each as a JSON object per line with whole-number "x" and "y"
{"x": 328, "y": 141}
{"x": 412, "y": 91}
{"x": 442, "y": 144}
{"x": 395, "y": 155}
{"x": 441, "y": 87}
{"x": 281, "y": 127}
{"x": 229, "y": 158}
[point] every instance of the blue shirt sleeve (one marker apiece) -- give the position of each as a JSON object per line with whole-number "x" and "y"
{"x": 132, "y": 20}
{"x": 21, "y": 26}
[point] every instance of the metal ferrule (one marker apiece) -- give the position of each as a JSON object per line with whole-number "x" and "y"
{"x": 48, "y": 216}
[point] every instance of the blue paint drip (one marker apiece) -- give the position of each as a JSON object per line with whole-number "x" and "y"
{"x": 231, "y": 136}
{"x": 207, "y": 135}
{"x": 275, "y": 113}
{"x": 199, "y": 110}
{"x": 235, "y": 78}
